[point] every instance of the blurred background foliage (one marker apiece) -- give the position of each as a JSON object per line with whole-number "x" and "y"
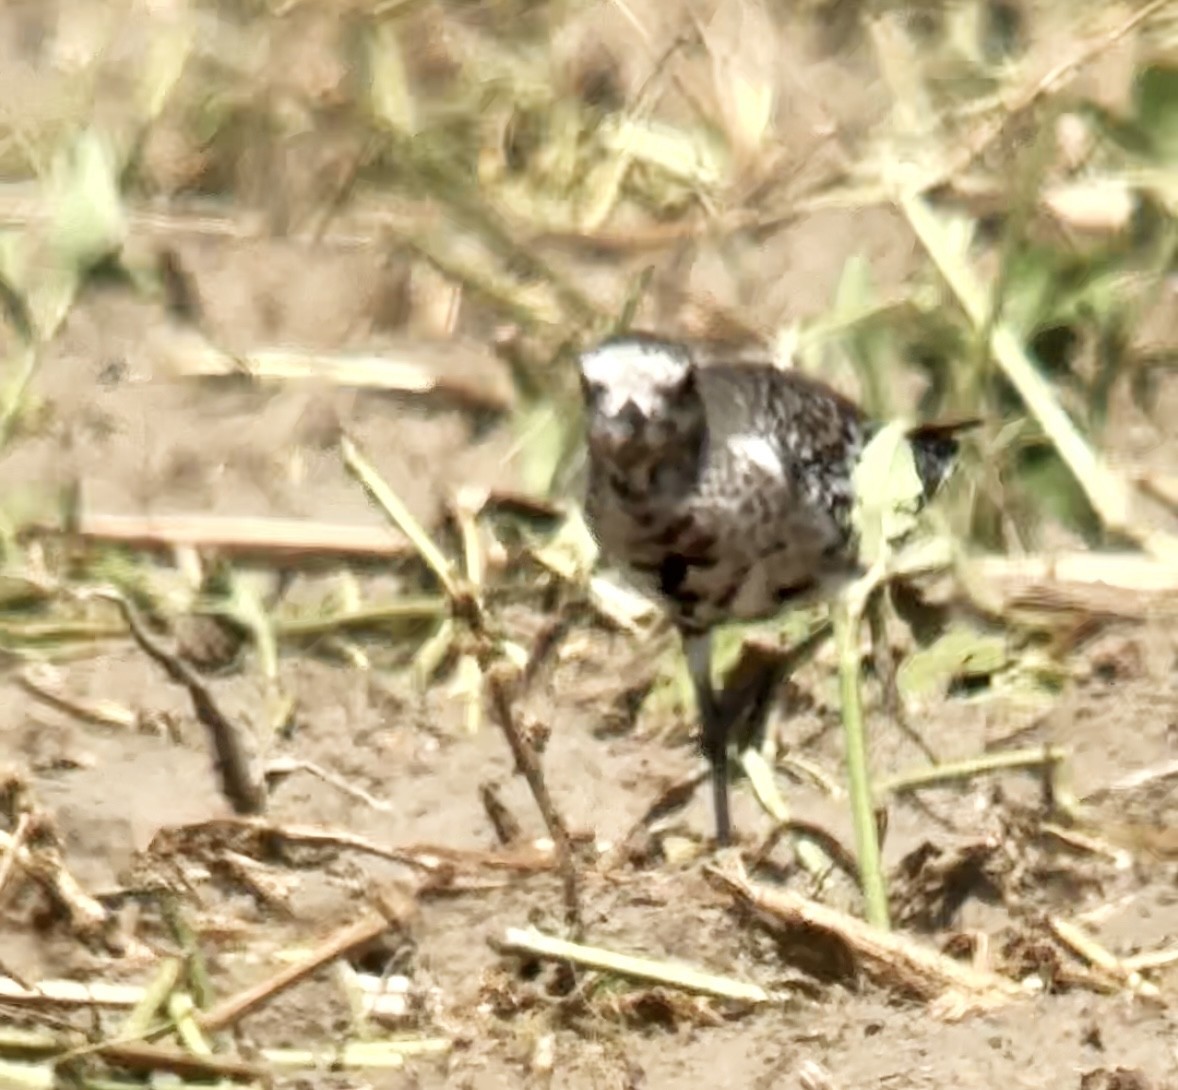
{"x": 538, "y": 174}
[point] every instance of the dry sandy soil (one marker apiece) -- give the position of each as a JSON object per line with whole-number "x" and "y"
{"x": 141, "y": 442}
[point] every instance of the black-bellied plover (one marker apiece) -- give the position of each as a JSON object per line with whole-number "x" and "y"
{"x": 724, "y": 491}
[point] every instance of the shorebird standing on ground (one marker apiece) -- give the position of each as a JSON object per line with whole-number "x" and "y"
{"x": 724, "y": 491}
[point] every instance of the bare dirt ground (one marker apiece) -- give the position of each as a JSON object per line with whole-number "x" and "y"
{"x": 140, "y": 440}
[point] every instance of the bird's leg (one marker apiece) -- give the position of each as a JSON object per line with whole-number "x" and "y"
{"x": 714, "y": 727}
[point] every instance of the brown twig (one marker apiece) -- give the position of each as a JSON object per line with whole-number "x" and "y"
{"x": 529, "y": 765}
{"x": 507, "y": 828}
{"x": 242, "y": 785}
{"x": 467, "y": 609}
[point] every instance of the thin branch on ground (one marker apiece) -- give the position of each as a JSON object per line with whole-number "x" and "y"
{"x": 241, "y": 782}
{"x": 467, "y": 608}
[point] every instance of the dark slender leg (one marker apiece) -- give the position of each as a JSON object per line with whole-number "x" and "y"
{"x": 741, "y": 709}
{"x": 714, "y": 728}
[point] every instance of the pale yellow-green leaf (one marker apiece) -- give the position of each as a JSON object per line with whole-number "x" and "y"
{"x": 854, "y": 293}
{"x": 543, "y": 439}
{"x": 432, "y": 654}
{"x": 627, "y": 608}
{"x": 749, "y": 112}
{"x": 600, "y": 190}
{"x": 571, "y": 552}
{"x": 960, "y": 652}
{"x": 887, "y": 491}
{"x": 467, "y": 687}
{"x": 246, "y": 606}
{"x": 88, "y": 221}
{"x": 392, "y": 97}
{"x": 764, "y": 784}
{"x": 691, "y": 156}
{"x": 50, "y": 294}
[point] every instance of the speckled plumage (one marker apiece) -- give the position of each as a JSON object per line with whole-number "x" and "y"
{"x": 760, "y": 513}
{"x": 724, "y": 489}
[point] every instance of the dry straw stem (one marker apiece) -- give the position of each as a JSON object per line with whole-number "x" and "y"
{"x": 480, "y": 382}
{"x": 1109, "y": 494}
{"x": 684, "y": 977}
{"x": 393, "y": 506}
{"x": 285, "y": 766}
{"x": 1116, "y": 584}
{"x": 233, "y": 536}
{"x": 1100, "y": 958}
{"x": 891, "y": 959}
{"x": 44, "y": 864}
{"x": 70, "y": 993}
{"x": 1151, "y": 959}
{"x": 241, "y": 783}
{"x": 1041, "y": 757}
{"x": 26, "y": 1076}
{"x": 140, "y": 1056}
{"x": 155, "y": 995}
{"x": 467, "y": 608}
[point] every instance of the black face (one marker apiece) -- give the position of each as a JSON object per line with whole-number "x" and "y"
{"x": 643, "y": 425}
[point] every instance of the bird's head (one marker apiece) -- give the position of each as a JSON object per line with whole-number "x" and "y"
{"x": 641, "y": 399}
